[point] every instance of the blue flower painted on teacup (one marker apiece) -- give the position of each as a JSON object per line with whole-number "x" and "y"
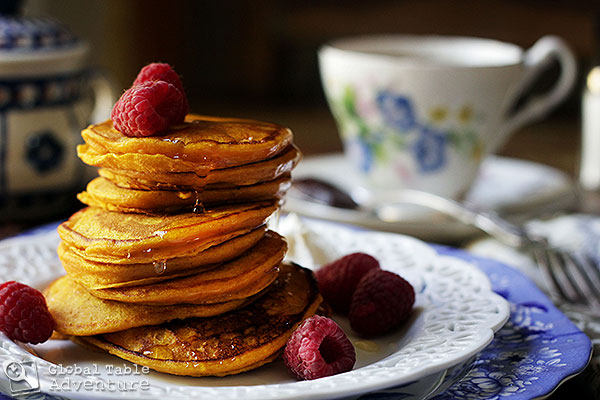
{"x": 397, "y": 110}
{"x": 387, "y": 122}
{"x": 361, "y": 152}
{"x": 430, "y": 150}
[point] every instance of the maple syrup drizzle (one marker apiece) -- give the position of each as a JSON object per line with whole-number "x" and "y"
{"x": 160, "y": 267}
{"x": 198, "y": 205}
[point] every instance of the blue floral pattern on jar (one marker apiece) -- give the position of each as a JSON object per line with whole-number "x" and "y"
{"x": 44, "y": 152}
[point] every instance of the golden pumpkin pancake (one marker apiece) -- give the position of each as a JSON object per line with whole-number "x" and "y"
{"x": 119, "y": 171}
{"x": 101, "y": 192}
{"x": 200, "y": 144}
{"x": 106, "y": 236}
{"x": 225, "y": 344}
{"x": 236, "y": 279}
{"x": 95, "y": 275}
{"x": 77, "y": 312}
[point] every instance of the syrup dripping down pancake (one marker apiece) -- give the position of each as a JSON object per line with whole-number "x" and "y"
{"x": 76, "y": 312}
{"x": 124, "y": 172}
{"x": 103, "y": 193}
{"x": 96, "y": 275}
{"x": 105, "y": 236}
{"x": 236, "y": 279}
{"x": 201, "y": 143}
{"x": 226, "y": 344}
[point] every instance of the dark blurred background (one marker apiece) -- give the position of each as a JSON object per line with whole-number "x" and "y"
{"x": 258, "y": 58}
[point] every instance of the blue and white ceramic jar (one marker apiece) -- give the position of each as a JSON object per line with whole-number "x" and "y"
{"x": 46, "y": 98}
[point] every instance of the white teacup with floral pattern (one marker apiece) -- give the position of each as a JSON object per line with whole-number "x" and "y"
{"x": 421, "y": 112}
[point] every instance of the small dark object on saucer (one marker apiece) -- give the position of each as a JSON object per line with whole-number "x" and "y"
{"x": 319, "y": 191}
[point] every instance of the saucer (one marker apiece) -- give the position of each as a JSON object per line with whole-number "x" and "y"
{"x": 516, "y": 189}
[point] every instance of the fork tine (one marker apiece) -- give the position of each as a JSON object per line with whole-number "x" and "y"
{"x": 577, "y": 275}
{"x": 555, "y": 265}
{"x": 542, "y": 261}
{"x": 592, "y": 270}
{"x": 568, "y": 276}
{"x": 557, "y": 269}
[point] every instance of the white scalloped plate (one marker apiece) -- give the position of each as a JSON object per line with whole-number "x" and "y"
{"x": 456, "y": 314}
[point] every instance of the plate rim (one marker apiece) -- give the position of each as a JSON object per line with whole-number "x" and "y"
{"x": 487, "y": 333}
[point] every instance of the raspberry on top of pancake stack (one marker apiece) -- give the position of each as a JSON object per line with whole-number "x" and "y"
{"x": 172, "y": 265}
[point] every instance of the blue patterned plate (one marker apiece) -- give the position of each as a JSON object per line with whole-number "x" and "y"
{"x": 536, "y": 350}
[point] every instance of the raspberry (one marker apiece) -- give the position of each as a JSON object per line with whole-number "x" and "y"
{"x": 146, "y": 109}
{"x": 162, "y": 72}
{"x": 318, "y": 348}
{"x": 338, "y": 280}
{"x": 24, "y": 314}
{"x": 382, "y": 302}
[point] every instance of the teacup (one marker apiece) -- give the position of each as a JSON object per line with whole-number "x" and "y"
{"x": 421, "y": 112}
{"x": 47, "y": 95}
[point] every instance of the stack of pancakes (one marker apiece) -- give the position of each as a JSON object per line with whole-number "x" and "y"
{"x": 172, "y": 264}
{"x": 206, "y": 160}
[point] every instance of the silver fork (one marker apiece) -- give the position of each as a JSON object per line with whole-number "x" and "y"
{"x": 569, "y": 276}
{"x": 572, "y": 277}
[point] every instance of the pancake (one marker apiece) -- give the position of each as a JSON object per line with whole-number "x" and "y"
{"x": 116, "y": 169}
{"x": 77, "y": 312}
{"x": 200, "y": 144}
{"x": 236, "y": 279}
{"x": 101, "y": 192}
{"x": 226, "y": 344}
{"x": 105, "y": 236}
{"x": 95, "y": 275}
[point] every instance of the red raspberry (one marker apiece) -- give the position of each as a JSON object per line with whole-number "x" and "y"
{"x": 338, "y": 280}
{"x": 318, "y": 348}
{"x": 162, "y": 72}
{"x": 382, "y": 301}
{"x": 24, "y": 314}
{"x": 146, "y": 109}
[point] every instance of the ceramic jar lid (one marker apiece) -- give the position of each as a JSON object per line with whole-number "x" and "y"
{"x": 36, "y": 46}
{"x": 28, "y": 35}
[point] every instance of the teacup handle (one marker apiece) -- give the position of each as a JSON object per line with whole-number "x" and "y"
{"x": 536, "y": 59}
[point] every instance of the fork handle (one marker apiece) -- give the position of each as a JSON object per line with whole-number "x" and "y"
{"x": 488, "y": 222}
